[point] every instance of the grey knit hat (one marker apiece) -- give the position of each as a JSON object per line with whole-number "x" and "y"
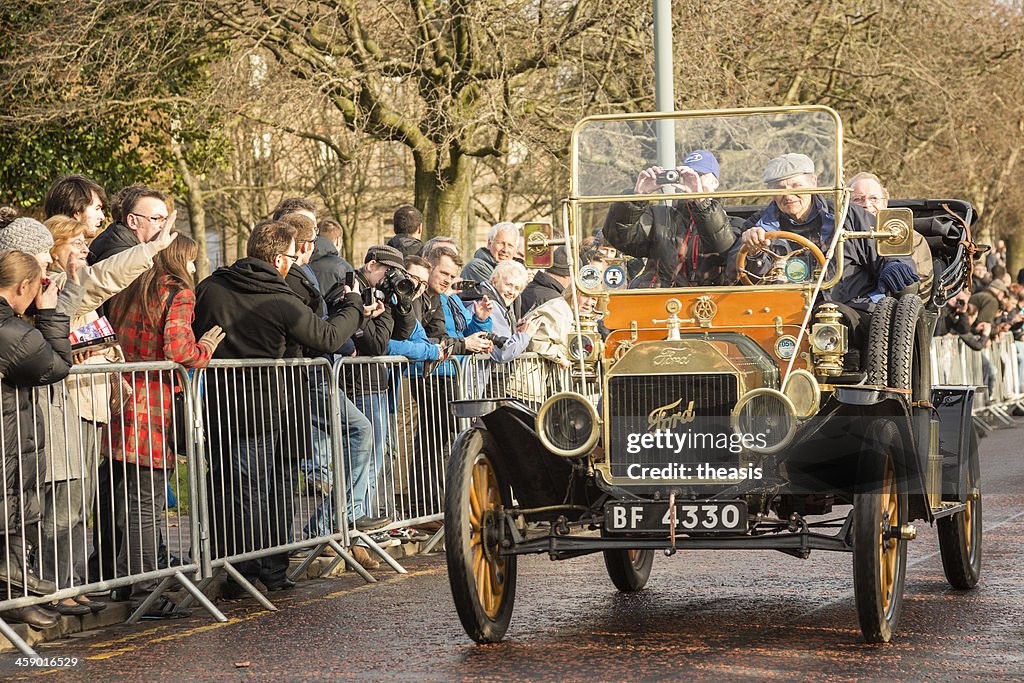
{"x": 27, "y": 235}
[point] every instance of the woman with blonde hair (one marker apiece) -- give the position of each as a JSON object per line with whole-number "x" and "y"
{"x": 153, "y": 319}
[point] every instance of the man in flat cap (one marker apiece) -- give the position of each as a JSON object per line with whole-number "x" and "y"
{"x": 867, "y": 277}
{"x": 680, "y": 242}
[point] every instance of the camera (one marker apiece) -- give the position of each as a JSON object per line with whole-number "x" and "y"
{"x": 497, "y": 340}
{"x": 398, "y": 283}
{"x": 668, "y": 177}
{"x": 465, "y": 285}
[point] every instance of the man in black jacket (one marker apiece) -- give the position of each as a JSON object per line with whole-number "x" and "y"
{"x": 548, "y": 284}
{"x": 141, "y": 214}
{"x": 326, "y": 261}
{"x": 683, "y": 242}
{"x": 408, "y": 222}
{"x": 867, "y": 276}
{"x": 367, "y": 384}
{"x": 247, "y": 408}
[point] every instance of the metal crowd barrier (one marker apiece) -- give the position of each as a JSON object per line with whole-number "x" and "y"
{"x": 104, "y": 445}
{"x": 997, "y": 368}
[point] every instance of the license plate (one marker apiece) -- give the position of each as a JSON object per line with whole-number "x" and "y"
{"x": 705, "y": 516}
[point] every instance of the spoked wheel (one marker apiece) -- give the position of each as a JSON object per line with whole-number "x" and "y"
{"x": 629, "y": 569}
{"x": 960, "y": 534}
{"x": 483, "y": 582}
{"x": 879, "y": 554}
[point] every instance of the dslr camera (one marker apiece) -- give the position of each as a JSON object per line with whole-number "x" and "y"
{"x": 498, "y": 341}
{"x": 667, "y": 177}
{"x": 398, "y": 283}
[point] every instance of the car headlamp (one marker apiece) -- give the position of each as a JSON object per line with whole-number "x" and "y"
{"x": 765, "y": 419}
{"x": 827, "y": 338}
{"x": 568, "y": 424}
{"x": 801, "y": 388}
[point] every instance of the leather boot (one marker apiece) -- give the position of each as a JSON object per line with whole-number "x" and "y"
{"x": 35, "y": 616}
{"x": 360, "y": 555}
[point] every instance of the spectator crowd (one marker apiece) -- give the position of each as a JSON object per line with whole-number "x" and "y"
{"x": 88, "y": 457}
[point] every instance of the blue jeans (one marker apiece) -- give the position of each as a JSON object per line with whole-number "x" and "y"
{"x": 356, "y": 454}
{"x": 375, "y": 407}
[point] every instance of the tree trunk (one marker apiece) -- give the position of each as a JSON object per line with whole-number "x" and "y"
{"x": 443, "y": 198}
{"x": 196, "y": 211}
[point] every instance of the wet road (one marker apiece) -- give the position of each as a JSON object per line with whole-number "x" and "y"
{"x": 704, "y": 616}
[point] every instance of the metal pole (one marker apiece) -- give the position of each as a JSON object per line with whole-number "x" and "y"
{"x": 664, "y": 88}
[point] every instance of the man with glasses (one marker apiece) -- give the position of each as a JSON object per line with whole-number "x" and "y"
{"x": 866, "y": 191}
{"x": 144, "y": 214}
{"x": 247, "y": 409}
{"x": 502, "y": 243}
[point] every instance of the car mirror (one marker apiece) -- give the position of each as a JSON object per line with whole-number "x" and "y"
{"x": 899, "y": 224}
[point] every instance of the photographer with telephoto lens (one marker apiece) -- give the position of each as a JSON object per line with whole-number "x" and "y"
{"x": 385, "y": 285}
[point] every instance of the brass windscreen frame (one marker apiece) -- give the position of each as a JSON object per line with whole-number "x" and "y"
{"x": 839, "y": 194}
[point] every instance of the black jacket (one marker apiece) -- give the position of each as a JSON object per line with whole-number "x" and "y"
{"x": 542, "y": 288}
{"x": 115, "y": 239}
{"x": 261, "y": 317}
{"x": 29, "y": 357}
{"x": 307, "y": 288}
{"x": 682, "y": 242}
{"x": 407, "y": 244}
{"x": 328, "y": 266}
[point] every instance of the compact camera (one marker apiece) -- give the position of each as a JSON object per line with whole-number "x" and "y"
{"x": 668, "y": 177}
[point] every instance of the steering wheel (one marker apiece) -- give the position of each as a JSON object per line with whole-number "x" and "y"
{"x": 778, "y": 267}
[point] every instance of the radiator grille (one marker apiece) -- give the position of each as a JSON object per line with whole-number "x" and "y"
{"x": 631, "y": 400}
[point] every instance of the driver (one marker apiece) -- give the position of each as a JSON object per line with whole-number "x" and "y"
{"x": 681, "y": 242}
{"x": 867, "y": 277}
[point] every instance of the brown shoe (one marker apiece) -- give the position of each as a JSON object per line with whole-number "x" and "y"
{"x": 360, "y": 555}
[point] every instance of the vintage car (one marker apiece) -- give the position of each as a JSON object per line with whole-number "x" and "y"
{"x": 743, "y": 413}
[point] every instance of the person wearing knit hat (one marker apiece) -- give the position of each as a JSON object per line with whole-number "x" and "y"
{"x": 27, "y": 235}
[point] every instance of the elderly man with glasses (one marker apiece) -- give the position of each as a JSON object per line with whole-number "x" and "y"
{"x": 867, "y": 192}
{"x": 502, "y": 243}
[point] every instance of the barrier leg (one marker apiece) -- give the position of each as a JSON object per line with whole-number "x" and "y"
{"x": 432, "y": 543}
{"x": 149, "y": 601}
{"x": 392, "y": 562}
{"x": 186, "y": 602}
{"x": 350, "y": 562}
{"x": 16, "y": 640}
{"x": 198, "y": 595}
{"x": 313, "y": 554}
{"x": 249, "y": 588}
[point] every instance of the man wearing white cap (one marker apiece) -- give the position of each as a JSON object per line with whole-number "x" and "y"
{"x": 867, "y": 277}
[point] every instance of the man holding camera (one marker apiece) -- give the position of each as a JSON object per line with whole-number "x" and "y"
{"x": 384, "y": 284}
{"x": 683, "y": 242}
